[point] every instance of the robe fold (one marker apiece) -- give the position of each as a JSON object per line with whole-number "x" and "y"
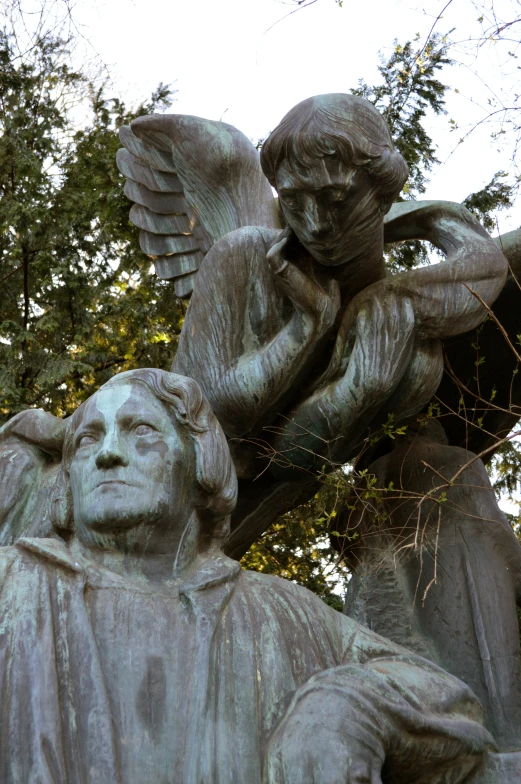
{"x": 105, "y": 680}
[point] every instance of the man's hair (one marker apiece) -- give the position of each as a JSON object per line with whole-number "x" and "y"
{"x": 343, "y": 125}
{"x": 215, "y": 476}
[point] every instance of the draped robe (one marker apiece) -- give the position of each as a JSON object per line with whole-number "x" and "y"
{"x": 107, "y": 680}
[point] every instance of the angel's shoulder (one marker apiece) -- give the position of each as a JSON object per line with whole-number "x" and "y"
{"x": 247, "y": 244}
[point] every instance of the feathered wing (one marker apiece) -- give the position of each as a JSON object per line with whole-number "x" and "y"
{"x": 192, "y": 181}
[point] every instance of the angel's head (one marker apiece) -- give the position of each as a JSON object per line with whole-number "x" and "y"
{"x": 337, "y": 173}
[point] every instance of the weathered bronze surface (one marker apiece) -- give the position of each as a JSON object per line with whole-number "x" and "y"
{"x": 437, "y": 567}
{"x": 301, "y": 342}
{"x": 137, "y": 652}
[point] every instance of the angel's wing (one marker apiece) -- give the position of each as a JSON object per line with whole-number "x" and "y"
{"x": 192, "y": 181}
{"x": 479, "y": 396}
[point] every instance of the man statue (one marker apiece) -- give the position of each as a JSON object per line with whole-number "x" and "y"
{"x": 133, "y": 651}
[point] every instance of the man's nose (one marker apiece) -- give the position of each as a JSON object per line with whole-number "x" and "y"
{"x": 112, "y": 453}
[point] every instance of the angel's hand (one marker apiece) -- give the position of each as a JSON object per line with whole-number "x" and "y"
{"x": 307, "y": 296}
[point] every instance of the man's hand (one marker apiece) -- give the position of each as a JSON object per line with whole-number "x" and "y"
{"x": 27, "y": 441}
{"x": 305, "y": 752}
{"x": 303, "y": 291}
{"x": 36, "y": 427}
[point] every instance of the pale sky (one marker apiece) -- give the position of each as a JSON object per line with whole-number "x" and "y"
{"x": 241, "y": 61}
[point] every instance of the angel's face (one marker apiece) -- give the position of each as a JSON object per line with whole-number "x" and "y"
{"x": 333, "y": 208}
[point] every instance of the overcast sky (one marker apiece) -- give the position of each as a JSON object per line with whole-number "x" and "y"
{"x": 248, "y": 62}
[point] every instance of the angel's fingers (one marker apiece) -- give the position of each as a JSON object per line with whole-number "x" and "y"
{"x": 303, "y": 291}
{"x": 277, "y": 262}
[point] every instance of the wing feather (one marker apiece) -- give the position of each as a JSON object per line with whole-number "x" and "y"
{"x": 162, "y": 203}
{"x": 157, "y": 156}
{"x": 185, "y": 285}
{"x": 172, "y": 267}
{"x": 147, "y": 220}
{"x": 160, "y": 245}
{"x": 139, "y": 171}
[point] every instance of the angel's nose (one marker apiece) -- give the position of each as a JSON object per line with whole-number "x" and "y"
{"x": 316, "y": 220}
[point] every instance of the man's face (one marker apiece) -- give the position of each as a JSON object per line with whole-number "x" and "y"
{"x": 130, "y": 464}
{"x": 332, "y": 208}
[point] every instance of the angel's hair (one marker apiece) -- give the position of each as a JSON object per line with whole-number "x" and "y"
{"x": 215, "y": 478}
{"x": 337, "y": 124}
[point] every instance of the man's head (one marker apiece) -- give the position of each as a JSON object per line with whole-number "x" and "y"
{"x": 333, "y": 163}
{"x": 146, "y": 449}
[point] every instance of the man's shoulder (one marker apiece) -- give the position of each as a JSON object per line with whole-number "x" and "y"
{"x": 44, "y": 552}
{"x": 269, "y": 587}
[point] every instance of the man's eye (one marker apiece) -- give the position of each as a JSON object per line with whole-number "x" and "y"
{"x": 86, "y": 441}
{"x": 290, "y": 201}
{"x": 144, "y": 430}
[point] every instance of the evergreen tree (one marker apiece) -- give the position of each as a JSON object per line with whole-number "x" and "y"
{"x": 78, "y": 300}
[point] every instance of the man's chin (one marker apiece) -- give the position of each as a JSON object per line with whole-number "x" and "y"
{"x": 114, "y": 521}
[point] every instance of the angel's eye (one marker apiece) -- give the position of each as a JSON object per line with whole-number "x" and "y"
{"x": 337, "y": 195}
{"x": 144, "y": 430}
{"x": 291, "y": 200}
{"x": 86, "y": 440}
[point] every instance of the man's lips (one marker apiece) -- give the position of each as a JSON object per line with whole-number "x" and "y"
{"x": 112, "y": 482}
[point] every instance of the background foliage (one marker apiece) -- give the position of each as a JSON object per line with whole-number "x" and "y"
{"x": 79, "y": 300}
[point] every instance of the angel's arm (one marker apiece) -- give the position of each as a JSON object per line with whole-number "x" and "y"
{"x": 253, "y": 322}
{"x": 392, "y": 326}
{"x": 448, "y": 298}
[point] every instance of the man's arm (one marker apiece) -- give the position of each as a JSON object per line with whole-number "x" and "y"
{"x": 30, "y": 447}
{"x": 385, "y": 709}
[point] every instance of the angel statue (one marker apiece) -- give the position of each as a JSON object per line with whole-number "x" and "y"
{"x": 301, "y": 340}
{"x": 305, "y": 345}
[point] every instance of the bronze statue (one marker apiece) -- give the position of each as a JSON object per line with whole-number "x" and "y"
{"x": 138, "y": 652}
{"x": 302, "y": 342}
{"x": 114, "y": 522}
